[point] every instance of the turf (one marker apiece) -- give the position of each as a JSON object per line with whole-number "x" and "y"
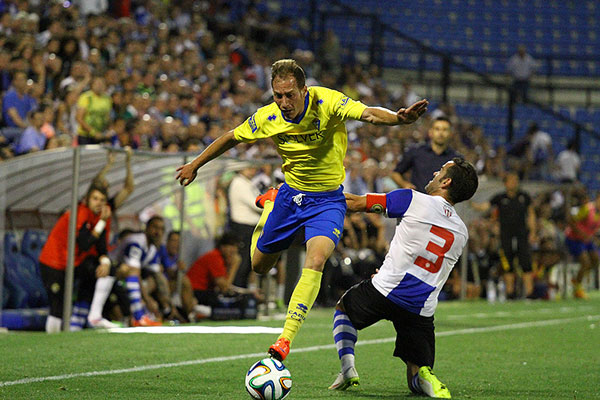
{"x": 518, "y": 350}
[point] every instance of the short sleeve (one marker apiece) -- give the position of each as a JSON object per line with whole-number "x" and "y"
{"x": 398, "y": 202}
{"x": 248, "y": 131}
{"x": 346, "y": 108}
{"x": 133, "y": 255}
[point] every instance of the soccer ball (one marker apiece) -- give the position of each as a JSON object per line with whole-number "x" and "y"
{"x": 268, "y": 379}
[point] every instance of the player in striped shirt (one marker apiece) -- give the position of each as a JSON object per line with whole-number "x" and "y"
{"x": 426, "y": 245}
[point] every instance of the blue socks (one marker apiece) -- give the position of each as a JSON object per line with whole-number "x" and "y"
{"x": 344, "y": 336}
{"x": 135, "y": 297}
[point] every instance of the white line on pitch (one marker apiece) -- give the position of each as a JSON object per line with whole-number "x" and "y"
{"x": 300, "y": 350}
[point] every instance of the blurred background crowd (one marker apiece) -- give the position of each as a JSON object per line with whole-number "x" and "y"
{"x": 162, "y": 76}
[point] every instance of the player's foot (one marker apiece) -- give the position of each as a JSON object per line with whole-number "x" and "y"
{"x": 431, "y": 385}
{"x": 102, "y": 323}
{"x": 280, "y": 349}
{"x": 345, "y": 379}
{"x": 268, "y": 195}
{"x": 145, "y": 321}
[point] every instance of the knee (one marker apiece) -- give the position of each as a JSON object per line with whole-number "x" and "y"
{"x": 316, "y": 262}
{"x": 260, "y": 268}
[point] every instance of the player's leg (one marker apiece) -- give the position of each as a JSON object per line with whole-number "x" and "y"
{"x": 53, "y": 282}
{"x": 524, "y": 256}
{"x": 134, "y": 291}
{"x": 359, "y": 307}
{"x": 415, "y": 345}
{"x": 85, "y": 274}
{"x": 102, "y": 290}
{"x": 585, "y": 264}
{"x": 318, "y": 250}
{"x": 267, "y": 202}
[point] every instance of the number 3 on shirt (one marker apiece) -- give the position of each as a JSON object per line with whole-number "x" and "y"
{"x": 437, "y": 250}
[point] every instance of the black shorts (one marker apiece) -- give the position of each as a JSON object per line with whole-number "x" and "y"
{"x": 415, "y": 338}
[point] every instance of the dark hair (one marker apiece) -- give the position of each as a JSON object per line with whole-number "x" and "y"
{"x": 464, "y": 180}
{"x": 442, "y": 118}
{"x": 228, "y": 238}
{"x": 285, "y": 67}
{"x": 154, "y": 218}
{"x": 171, "y": 233}
{"x": 96, "y": 188}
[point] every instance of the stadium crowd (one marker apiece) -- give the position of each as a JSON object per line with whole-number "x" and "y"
{"x": 166, "y": 76}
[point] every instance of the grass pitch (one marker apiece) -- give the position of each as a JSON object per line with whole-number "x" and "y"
{"x": 518, "y": 350}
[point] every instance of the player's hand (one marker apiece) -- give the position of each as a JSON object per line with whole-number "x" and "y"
{"x": 376, "y": 272}
{"x": 409, "y": 185}
{"x": 186, "y": 174}
{"x": 355, "y": 203}
{"x": 105, "y": 213}
{"x": 412, "y": 113}
{"x": 102, "y": 270}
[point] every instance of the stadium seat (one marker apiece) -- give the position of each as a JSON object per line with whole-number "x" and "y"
{"x": 21, "y": 274}
{"x": 32, "y": 243}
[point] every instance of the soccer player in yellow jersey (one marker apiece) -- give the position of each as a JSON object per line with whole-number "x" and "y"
{"x": 307, "y": 127}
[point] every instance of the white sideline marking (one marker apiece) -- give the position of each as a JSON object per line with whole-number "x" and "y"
{"x": 301, "y": 350}
{"x": 198, "y": 329}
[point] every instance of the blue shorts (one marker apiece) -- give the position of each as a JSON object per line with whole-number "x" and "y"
{"x": 576, "y": 247}
{"x": 320, "y": 213}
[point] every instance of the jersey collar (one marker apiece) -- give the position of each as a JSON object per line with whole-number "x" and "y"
{"x": 301, "y": 115}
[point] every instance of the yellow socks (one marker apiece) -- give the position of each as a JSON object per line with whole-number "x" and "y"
{"x": 302, "y": 300}
{"x": 259, "y": 226}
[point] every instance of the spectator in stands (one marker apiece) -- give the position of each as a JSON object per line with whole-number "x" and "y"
{"x": 91, "y": 262}
{"x": 583, "y": 225}
{"x": 568, "y": 163}
{"x": 17, "y": 103}
{"x": 424, "y": 159}
{"x": 521, "y": 67}
{"x": 244, "y": 216}
{"x": 514, "y": 211}
{"x": 541, "y": 153}
{"x": 32, "y": 139}
{"x": 93, "y": 113}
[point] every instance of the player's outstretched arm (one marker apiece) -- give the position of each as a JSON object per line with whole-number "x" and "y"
{"x": 187, "y": 173}
{"x": 404, "y": 116}
{"x": 355, "y": 203}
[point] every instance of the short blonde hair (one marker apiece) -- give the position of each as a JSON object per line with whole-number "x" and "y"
{"x": 288, "y": 66}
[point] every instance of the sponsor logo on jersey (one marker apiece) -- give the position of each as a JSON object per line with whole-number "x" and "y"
{"x": 305, "y": 138}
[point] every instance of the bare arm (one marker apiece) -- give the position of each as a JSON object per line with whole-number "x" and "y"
{"x": 355, "y": 202}
{"x": 16, "y": 118}
{"x": 404, "y": 116}
{"x": 400, "y": 181}
{"x": 187, "y": 173}
{"x": 110, "y": 159}
{"x": 129, "y": 184}
{"x": 80, "y": 117}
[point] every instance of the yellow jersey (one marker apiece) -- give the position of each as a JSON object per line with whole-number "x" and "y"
{"x": 97, "y": 111}
{"x": 313, "y": 145}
